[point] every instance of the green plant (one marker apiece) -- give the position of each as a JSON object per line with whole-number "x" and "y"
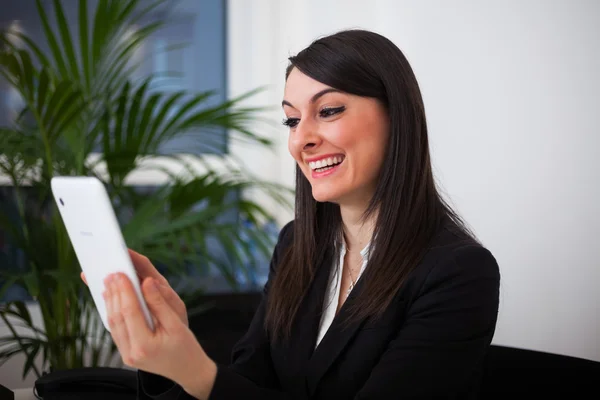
{"x": 83, "y": 114}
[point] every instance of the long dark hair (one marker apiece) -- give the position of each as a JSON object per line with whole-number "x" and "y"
{"x": 408, "y": 208}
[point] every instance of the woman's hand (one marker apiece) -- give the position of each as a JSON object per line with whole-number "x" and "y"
{"x": 145, "y": 269}
{"x": 171, "y": 350}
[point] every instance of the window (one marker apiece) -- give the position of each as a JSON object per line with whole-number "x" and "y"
{"x": 198, "y": 67}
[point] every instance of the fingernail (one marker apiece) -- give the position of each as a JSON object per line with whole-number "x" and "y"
{"x": 153, "y": 284}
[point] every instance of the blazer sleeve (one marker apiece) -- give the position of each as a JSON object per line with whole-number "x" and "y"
{"x": 251, "y": 372}
{"x": 438, "y": 351}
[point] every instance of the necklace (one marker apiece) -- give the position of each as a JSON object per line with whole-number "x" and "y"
{"x": 352, "y": 281}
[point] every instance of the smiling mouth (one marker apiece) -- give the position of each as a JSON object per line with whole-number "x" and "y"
{"x": 326, "y": 163}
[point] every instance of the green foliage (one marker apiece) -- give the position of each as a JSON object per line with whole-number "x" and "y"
{"x": 84, "y": 115}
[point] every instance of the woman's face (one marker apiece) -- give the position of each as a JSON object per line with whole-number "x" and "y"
{"x": 337, "y": 139}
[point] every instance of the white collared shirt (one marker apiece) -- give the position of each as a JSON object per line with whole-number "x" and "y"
{"x": 333, "y": 290}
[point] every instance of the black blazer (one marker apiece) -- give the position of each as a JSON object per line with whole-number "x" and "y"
{"x": 430, "y": 343}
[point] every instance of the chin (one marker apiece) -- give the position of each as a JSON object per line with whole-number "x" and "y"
{"x": 325, "y": 196}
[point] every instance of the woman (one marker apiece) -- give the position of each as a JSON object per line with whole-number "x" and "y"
{"x": 376, "y": 289}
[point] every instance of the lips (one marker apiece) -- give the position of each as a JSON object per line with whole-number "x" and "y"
{"x": 327, "y": 169}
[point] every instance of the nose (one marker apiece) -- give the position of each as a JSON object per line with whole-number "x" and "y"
{"x": 305, "y": 136}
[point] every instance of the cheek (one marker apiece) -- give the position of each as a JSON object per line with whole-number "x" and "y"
{"x": 343, "y": 137}
{"x": 378, "y": 150}
{"x": 371, "y": 153}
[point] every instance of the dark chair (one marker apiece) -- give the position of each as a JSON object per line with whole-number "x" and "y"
{"x": 517, "y": 373}
{"x": 224, "y": 322}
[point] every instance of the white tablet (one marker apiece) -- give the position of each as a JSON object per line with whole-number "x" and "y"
{"x": 96, "y": 236}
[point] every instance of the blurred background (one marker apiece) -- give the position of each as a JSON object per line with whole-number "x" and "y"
{"x": 512, "y": 95}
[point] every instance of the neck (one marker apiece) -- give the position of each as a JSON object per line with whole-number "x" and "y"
{"x": 357, "y": 233}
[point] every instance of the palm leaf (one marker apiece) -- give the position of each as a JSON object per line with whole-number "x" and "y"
{"x": 84, "y": 43}
{"x": 9, "y": 351}
{"x": 141, "y": 122}
{"x": 66, "y": 40}
{"x": 53, "y": 105}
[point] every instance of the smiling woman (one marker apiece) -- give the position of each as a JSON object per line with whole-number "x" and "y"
{"x": 376, "y": 290}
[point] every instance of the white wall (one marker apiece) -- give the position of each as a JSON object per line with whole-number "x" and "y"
{"x": 512, "y": 95}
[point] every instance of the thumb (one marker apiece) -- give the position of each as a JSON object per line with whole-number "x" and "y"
{"x": 158, "y": 305}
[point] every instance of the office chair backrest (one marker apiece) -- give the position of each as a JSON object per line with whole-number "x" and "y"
{"x": 511, "y": 372}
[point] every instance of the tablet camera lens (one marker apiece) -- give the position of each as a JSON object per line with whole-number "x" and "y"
{"x": 62, "y": 202}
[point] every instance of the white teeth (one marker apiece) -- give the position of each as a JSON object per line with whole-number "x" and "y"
{"x": 325, "y": 162}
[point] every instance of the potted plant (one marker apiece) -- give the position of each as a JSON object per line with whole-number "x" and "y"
{"x": 83, "y": 114}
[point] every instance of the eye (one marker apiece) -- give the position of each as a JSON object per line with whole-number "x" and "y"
{"x": 331, "y": 111}
{"x": 291, "y": 122}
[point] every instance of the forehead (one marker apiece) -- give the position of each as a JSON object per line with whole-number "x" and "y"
{"x": 300, "y": 87}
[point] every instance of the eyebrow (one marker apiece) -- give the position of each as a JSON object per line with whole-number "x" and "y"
{"x": 315, "y": 97}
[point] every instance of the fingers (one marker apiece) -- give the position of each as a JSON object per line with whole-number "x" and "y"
{"x": 130, "y": 309}
{"x": 144, "y": 267}
{"x": 116, "y": 321}
{"x": 158, "y": 305}
{"x": 174, "y": 301}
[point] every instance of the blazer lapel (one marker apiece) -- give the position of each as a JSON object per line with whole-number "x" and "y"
{"x": 299, "y": 349}
{"x": 309, "y": 317}
{"x": 333, "y": 343}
